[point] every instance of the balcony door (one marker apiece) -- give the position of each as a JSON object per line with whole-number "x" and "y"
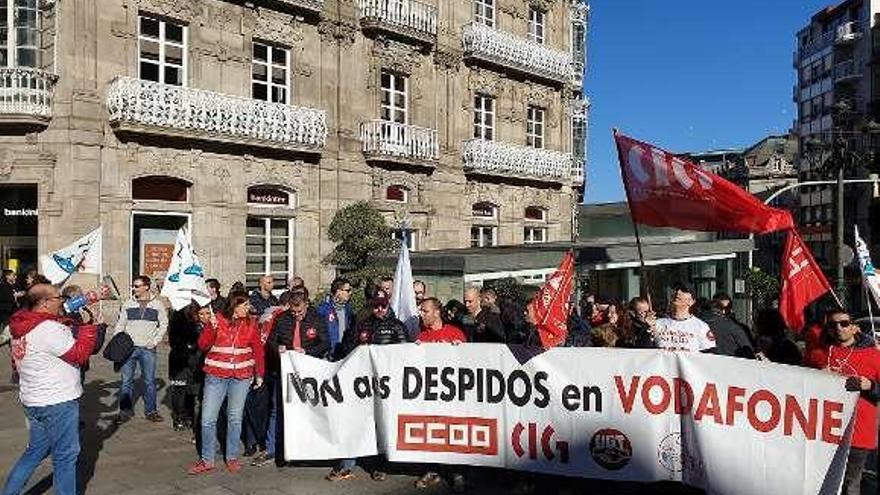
{"x": 393, "y": 112}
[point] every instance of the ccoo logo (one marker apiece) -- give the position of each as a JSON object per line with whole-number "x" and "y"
{"x": 611, "y": 449}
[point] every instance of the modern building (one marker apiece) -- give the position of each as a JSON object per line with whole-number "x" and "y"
{"x": 254, "y": 122}
{"x": 835, "y": 64}
{"x": 606, "y": 256}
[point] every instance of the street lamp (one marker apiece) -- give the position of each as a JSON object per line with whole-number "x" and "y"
{"x": 839, "y": 154}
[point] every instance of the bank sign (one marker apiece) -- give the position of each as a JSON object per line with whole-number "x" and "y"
{"x": 18, "y": 210}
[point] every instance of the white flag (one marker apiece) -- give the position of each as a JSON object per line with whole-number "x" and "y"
{"x": 185, "y": 279}
{"x": 403, "y": 296}
{"x": 83, "y": 256}
{"x": 869, "y": 274}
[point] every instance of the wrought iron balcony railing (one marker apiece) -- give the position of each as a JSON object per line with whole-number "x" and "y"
{"x": 150, "y": 107}
{"x": 26, "y": 95}
{"x": 510, "y": 51}
{"x": 391, "y": 140}
{"x": 494, "y": 158}
{"x": 404, "y": 17}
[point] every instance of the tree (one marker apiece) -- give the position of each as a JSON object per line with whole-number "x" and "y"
{"x": 762, "y": 288}
{"x": 363, "y": 243}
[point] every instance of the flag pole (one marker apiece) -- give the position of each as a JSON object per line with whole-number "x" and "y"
{"x": 870, "y": 311}
{"x": 643, "y": 275}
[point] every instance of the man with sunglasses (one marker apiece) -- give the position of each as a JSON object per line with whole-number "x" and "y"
{"x": 381, "y": 327}
{"x": 854, "y": 355}
{"x": 145, "y": 319}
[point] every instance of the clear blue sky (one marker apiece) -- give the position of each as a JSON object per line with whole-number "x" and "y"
{"x": 688, "y": 75}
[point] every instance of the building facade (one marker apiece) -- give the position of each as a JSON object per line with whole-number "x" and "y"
{"x": 252, "y": 123}
{"x": 835, "y": 94}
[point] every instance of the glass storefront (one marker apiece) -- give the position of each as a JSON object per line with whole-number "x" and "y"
{"x": 18, "y": 226}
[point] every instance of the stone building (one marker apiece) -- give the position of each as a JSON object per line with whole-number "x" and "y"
{"x": 254, "y": 122}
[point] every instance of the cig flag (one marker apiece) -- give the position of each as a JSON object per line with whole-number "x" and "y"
{"x": 869, "y": 274}
{"x": 550, "y": 304}
{"x": 83, "y": 256}
{"x": 403, "y": 296}
{"x": 802, "y": 281}
{"x": 185, "y": 279}
{"x": 664, "y": 190}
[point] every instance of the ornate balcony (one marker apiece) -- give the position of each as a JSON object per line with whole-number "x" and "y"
{"x": 494, "y": 158}
{"x": 26, "y": 96}
{"x": 148, "y": 107}
{"x": 409, "y": 18}
{"x": 393, "y": 142}
{"x": 486, "y": 44}
{"x": 312, "y": 6}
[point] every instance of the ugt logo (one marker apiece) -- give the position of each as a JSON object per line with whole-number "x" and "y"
{"x": 549, "y": 448}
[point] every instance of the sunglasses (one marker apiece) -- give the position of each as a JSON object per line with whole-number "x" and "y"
{"x": 840, "y": 324}
{"x": 380, "y": 306}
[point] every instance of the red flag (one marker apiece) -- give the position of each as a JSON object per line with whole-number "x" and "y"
{"x": 667, "y": 191}
{"x": 550, "y": 304}
{"x": 802, "y": 281}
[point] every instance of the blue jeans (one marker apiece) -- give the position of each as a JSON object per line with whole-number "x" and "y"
{"x": 274, "y": 395}
{"x": 216, "y": 390}
{"x": 53, "y": 430}
{"x": 147, "y": 360}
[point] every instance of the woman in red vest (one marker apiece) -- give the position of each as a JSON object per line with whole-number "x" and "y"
{"x": 234, "y": 361}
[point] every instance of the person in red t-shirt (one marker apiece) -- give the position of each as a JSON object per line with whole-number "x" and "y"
{"x": 433, "y": 328}
{"x": 853, "y": 354}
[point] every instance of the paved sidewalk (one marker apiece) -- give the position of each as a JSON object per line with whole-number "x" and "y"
{"x": 140, "y": 457}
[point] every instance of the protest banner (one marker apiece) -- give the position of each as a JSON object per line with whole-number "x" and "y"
{"x": 727, "y": 425}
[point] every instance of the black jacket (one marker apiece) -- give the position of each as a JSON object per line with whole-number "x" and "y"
{"x": 7, "y": 302}
{"x": 730, "y": 338}
{"x": 487, "y": 327}
{"x": 388, "y": 330}
{"x": 313, "y": 337}
{"x": 184, "y": 360}
{"x": 578, "y": 332}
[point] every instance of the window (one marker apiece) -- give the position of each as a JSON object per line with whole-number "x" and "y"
{"x": 484, "y": 236}
{"x": 162, "y": 51}
{"x": 484, "y": 12}
{"x": 535, "y": 127}
{"x": 160, "y": 188}
{"x": 534, "y": 235}
{"x": 270, "y": 73}
{"x": 409, "y": 237}
{"x": 484, "y": 117}
{"x": 536, "y": 25}
{"x": 397, "y": 193}
{"x": 268, "y": 249}
{"x": 394, "y": 87}
{"x": 536, "y": 213}
{"x": 579, "y": 132}
{"x": 19, "y": 33}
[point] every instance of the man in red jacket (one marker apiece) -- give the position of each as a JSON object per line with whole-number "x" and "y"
{"x": 853, "y": 354}
{"x": 48, "y": 358}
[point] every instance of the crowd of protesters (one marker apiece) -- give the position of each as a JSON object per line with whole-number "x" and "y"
{"x": 224, "y": 359}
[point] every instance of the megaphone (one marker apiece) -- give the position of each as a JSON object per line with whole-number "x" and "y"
{"x": 107, "y": 291}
